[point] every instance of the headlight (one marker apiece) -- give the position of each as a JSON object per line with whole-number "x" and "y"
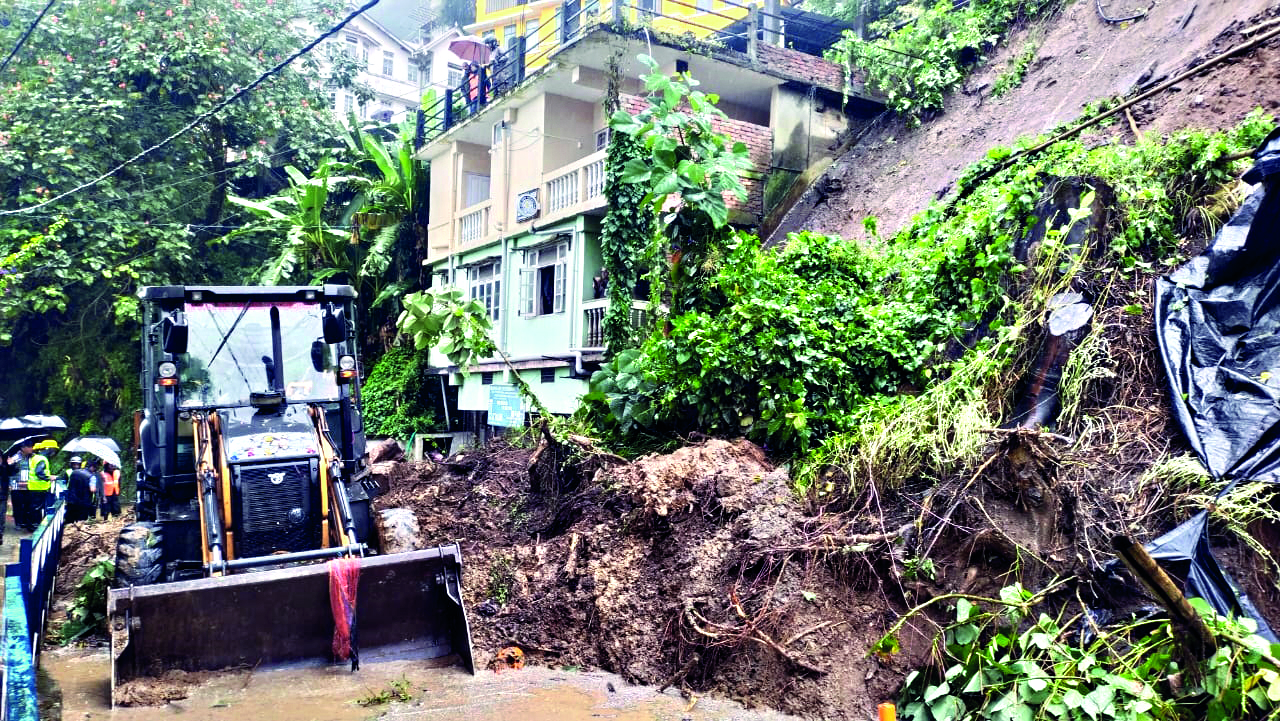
{"x": 347, "y": 363}
{"x": 167, "y": 369}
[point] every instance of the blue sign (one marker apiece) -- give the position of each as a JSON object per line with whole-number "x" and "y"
{"x": 506, "y": 408}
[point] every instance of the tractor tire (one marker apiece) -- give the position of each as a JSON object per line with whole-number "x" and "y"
{"x": 398, "y": 531}
{"x": 139, "y": 555}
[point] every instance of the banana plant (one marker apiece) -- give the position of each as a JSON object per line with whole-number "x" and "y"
{"x": 307, "y": 242}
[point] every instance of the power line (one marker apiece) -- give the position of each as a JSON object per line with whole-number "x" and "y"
{"x": 30, "y": 29}
{"x": 201, "y": 117}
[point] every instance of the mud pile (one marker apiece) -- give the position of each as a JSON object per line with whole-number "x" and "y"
{"x": 671, "y": 571}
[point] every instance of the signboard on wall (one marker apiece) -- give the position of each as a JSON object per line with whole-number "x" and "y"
{"x": 506, "y": 408}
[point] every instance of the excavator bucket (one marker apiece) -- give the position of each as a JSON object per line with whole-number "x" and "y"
{"x": 408, "y": 605}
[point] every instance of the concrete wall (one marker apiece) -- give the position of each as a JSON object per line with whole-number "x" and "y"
{"x": 805, "y": 126}
{"x": 568, "y": 129}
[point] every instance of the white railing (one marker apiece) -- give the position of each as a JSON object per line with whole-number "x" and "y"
{"x": 562, "y": 192}
{"x": 578, "y": 183}
{"x": 593, "y": 319}
{"x": 473, "y": 224}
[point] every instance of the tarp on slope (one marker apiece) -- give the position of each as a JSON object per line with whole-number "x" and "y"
{"x": 1218, "y": 324}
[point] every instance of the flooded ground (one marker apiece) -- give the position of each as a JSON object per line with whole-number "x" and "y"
{"x": 335, "y": 694}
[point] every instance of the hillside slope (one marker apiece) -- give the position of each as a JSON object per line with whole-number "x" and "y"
{"x": 895, "y": 171}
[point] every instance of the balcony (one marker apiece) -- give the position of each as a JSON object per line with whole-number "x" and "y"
{"x": 593, "y": 320}
{"x": 575, "y": 188}
{"x": 473, "y": 224}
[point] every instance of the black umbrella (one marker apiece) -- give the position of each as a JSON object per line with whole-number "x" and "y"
{"x": 23, "y": 426}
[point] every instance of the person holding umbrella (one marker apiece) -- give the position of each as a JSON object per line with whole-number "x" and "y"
{"x": 40, "y": 482}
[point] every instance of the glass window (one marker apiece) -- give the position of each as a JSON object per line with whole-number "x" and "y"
{"x": 413, "y": 73}
{"x": 364, "y": 58}
{"x": 542, "y": 280}
{"x": 509, "y": 36}
{"x": 388, "y": 63}
{"x": 455, "y": 76}
{"x": 485, "y": 286}
{"x": 351, "y": 46}
{"x": 229, "y": 353}
{"x": 347, "y": 103}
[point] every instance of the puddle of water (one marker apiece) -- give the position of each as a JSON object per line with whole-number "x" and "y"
{"x": 330, "y": 693}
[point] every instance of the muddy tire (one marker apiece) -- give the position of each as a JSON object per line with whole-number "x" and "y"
{"x": 398, "y": 531}
{"x": 139, "y": 555}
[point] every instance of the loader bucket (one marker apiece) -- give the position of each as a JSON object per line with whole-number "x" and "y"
{"x": 409, "y": 605}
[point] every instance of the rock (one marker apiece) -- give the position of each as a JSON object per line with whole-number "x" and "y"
{"x": 488, "y": 608}
{"x": 388, "y": 450}
{"x": 1198, "y": 100}
{"x": 398, "y": 530}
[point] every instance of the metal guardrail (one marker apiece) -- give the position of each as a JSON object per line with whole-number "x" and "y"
{"x": 28, "y": 595}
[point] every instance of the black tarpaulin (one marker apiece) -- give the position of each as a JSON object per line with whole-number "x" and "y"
{"x": 1217, "y": 321}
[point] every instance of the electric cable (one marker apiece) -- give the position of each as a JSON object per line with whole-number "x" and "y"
{"x": 202, "y": 116}
{"x": 30, "y": 29}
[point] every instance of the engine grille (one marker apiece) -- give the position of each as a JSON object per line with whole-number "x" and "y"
{"x": 275, "y": 509}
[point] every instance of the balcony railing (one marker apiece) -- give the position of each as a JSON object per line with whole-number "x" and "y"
{"x": 575, "y": 185}
{"x": 473, "y": 224}
{"x": 593, "y": 320}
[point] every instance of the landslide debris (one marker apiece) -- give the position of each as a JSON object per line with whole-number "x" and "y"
{"x": 672, "y": 570}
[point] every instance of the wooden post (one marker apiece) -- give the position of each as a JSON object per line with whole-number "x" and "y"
{"x": 1198, "y": 638}
{"x": 753, "y": 30}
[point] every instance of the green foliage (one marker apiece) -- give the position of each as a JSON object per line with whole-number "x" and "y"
{"x": 399, "y": 690}
{"x": 915, "y": 63}
{"x": 461, "y": 330}
{"x": 97, "y": 82}
{"x": 837, "y": 350}
{"x": 393, "y": 398}
{"x": 627, "y": 231}
{"x": 88, "y": 610}
{"x": 1017, "y": 70}
{"x": 502, "y": 578}
{"x": 683, "y": 156}
{"x": 1002, "y": 665}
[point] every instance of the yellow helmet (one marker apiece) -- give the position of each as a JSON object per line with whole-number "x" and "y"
{"x": 47, "y": 445}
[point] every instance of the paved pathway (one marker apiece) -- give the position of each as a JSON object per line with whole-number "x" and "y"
{"x": 12, "y": 535}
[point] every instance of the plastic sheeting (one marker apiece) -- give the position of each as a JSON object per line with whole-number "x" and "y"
{"x": 1218, "y": 324}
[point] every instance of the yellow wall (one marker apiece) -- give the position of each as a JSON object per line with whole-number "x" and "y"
{"x": 543, "y": 13}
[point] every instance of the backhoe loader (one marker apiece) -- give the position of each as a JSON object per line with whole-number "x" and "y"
{"x": 252, "y": 487}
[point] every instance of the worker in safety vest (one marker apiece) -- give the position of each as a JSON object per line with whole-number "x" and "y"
{"x": 40, "y": 484}
{"x": 110, "y": 490}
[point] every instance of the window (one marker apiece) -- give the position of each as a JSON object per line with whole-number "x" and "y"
{"x": 509, "y": 36}
{"x": 498, "y": 127}
{"x": 542, "y": 280}
{"x": 647, "y": 6}
{"x": 455, "y": 76}
{"x": 476, "y": 187}
{"x": 485, "y": 287}
{"x": 602, "y": 138}
{"x": 388, "y": 63}
{"x": 703, "y": 5}
{"x": 347, "y": 102}
{"x": 352, "y": 45}
{"x": 548, "y": 375}
{"x": 413, "y": 73}
{"x": 333, "y": 99}
{"x": 364, "y": 58}
{"x": 486, "y": 378}
{"x": 530, "y": 35}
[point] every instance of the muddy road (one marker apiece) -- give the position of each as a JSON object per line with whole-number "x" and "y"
{"x": 333, "y": 693}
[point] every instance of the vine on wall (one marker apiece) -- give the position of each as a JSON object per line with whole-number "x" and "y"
{"x": 627, "y": 231}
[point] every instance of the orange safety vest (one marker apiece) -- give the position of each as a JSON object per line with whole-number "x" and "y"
{"x": 111, "y": 483}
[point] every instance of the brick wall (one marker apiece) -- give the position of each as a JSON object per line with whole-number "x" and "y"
{"x": 759, "y": 142}
{"x": 798, "y": 65}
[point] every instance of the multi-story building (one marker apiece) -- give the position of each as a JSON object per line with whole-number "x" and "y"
{"x": 387, "y": 66}
{"x": 439, "y": 67}
{"x": 517, "y": 178}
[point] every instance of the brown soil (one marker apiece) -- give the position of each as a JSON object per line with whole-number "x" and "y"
{"x": 663, "y": 571}
{"x": 83, "y": 544}
{"x": 895, "y": 171}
